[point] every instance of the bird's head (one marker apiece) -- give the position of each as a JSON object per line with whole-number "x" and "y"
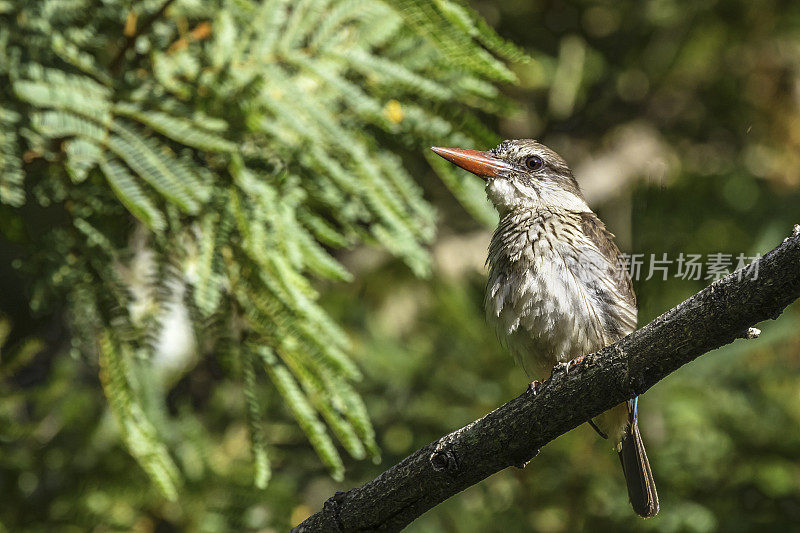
{"x": 521, "y": 175}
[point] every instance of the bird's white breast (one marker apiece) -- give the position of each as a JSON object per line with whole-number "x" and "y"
{"x": 539, "y": 295}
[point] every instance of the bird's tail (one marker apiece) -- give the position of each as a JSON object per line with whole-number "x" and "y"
{"x": 638, "y": 476}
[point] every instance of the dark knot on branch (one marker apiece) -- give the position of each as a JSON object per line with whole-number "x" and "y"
{"x": 444, "y": 458}
{"x": 333, "y": 506}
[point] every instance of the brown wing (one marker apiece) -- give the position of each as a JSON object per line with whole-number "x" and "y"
{"x": 596, "y": 232}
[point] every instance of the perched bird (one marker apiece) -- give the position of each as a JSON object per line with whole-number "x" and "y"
{"x": 558, "y": 288}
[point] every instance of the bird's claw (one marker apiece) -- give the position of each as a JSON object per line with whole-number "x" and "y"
{"x": 533, "y": 387}
{"x": 574, "y": 362}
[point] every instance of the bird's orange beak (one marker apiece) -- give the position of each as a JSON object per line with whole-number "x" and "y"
{"x": 482, "y": 164}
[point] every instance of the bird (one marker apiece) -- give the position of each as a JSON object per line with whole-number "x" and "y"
{"x": 558, "y": 287}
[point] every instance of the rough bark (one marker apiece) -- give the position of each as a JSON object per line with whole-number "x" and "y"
{"x": 512, "y": 434}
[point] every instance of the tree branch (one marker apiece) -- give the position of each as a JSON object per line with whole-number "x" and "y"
{"x": 144, "y": 27}
{"x": 514, "y": 433}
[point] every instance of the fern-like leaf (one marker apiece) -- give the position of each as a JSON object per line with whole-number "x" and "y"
{"x": 139, "y": 434}
{"x": 303, "y": 412}
{"x": 131, "y": 195}
{"x": 12, "y": 190}
{"x": 258, "y": 442}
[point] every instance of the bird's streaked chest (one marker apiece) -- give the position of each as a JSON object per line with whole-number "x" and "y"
{"x": 544, "y": 291}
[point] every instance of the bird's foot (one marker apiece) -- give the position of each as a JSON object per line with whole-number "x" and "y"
{"x": 574, "y": 362}
{"x": 533, "y": 387}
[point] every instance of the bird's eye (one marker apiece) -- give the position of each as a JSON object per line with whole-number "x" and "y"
{"x": 534, "y": 162}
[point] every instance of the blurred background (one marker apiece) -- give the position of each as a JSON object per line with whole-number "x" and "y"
{"x": 680, "y": 120}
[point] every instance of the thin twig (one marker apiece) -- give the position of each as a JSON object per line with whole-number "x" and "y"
{"x": 116, "y": 63}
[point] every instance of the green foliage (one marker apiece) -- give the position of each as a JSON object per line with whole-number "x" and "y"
{"x": 214, "y": 166}
{"x": 11, "y": 176}
{"x": 138, "y": 432}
